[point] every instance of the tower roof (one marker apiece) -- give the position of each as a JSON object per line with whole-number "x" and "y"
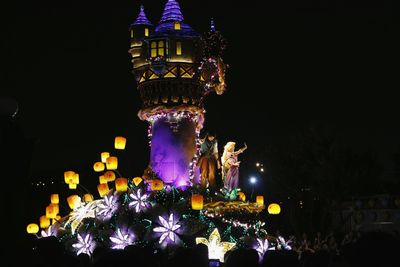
{"x": 141, "y": 18}
{"x": 172, "y": 12}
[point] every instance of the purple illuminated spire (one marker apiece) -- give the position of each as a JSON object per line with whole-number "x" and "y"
{"x": 172, "y": 12}
{"x": 141, "y": 18}
{"x": 212, "y": 26}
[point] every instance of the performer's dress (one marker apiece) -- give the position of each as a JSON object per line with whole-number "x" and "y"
{"x": 231, "y": 172}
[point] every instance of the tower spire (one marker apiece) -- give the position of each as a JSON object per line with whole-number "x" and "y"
{"x": 212, "y": 25}
{"x": 141, "y": 18}
{"x": 172, "y": 12}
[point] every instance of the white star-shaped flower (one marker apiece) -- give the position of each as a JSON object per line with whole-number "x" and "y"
{"x": 107, "y": 207}
{"x": 262, "y": 247}
{"x": 85, "y": 245}
{"x": 282, "y": 244}
{"x": 85, "y": 211}
{"x": 167, "y": 229}
{"x": 139, "y": 201}
{"x": 122, "y": 239}
{"x": 48, "y": 232}
{"x": 216, "y": 248}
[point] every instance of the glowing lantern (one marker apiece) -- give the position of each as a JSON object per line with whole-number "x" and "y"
{"x": 197, "y": 202}
{"x": 102, "y": 179}
{"x": 98, "y": 167}
{"x": 109, "y": 176}
{"x": 32, "y": 228}
{"x": 50, "y": 212}
{"x": 103, "y": 189}
{"x": 121, "y": 184}
{"x": 157, "y": 185}
{"x": 68, "y": 175}
{"x": 137, "y": 180}
{"x": 54, "y": 198}
{"x": 104, "y": 156}
{"x": 242, "y": 196}
{"x": 120, "y": 142}
{"x": 74, "y": 201}
{"x": 75, "y": 178}
{"x": 44, "y": 222}
{"x": 112, "y": 163}
{"x": 274, "y": 209}
{"x": 72, "y": 186}
{"x": 260, "y": 200}
{"x": 87, "y": 198}
{"x": 53, "y": 208}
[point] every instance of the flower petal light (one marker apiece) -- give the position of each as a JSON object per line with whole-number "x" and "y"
{"x": 216, "y": 248}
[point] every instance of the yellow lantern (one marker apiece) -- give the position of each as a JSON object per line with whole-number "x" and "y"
{"x": 104, "y": 156}
{"x": 121, "y": 184}
{"x": 197, "y": 202}
{"x": 109, "y": 176}
{"x": 68, "y": 175}
{"x": 157, "y": 185}
{"x": 103, "y": 189}
{"x": 242, "y": 196}
{"x": 44, "y": 222}
{"x": 137, "y": 180}
{"x": 87, "y": 198}
{"x": 50, "y": 212}
{"x": 55, "y": 207}
{"x": 98, "y": 167}
{"x": 112, "y": 163}
{"x": 75, "y": 178}
{"x": 72, "y": 186}
{"x": 74, "y": 201}
{"x": 102, "y": 179}
{"x": 274, "y": 209}
{"x": 54, "y": 198}
{"x": 32, "y": 228}
{"x": 260, "y": 200}
{"x": 119, "y": 142}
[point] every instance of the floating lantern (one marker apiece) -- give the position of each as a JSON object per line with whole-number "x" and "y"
{"x": 74, "y": 201}
{"x": 242, "y": 196}
{"x": 121, "y": 184}
{"x": 104, "y": 156}
{"x": 54, "y": 198}
{"x": 103, "y": 189}
{"x": 157, "y": 185}
{"x": 137, "y": 180}
{"x": 112, "y": 163}
{"x": 68, "y": 176}
{"x": 120, "y": 142}
{"x": 109, "y": 176}
{"x": 260, "y": 200}
{"x": 53, "y": 208}
{"x": 44, "y": 222}
{"x": 98, "y": 167}
{"x": 32, "y": 228}
{"x": 75, "y": 178}
{"x": 197, "y": 202}
{"x": 72, "y": 186}
{"x": 102, "y": 179}
{"x": 274, "y": 209}
{"x": 50, "y": 212}
{"x": 87, "y": 198}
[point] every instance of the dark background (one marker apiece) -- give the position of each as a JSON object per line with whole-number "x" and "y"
{"x": 292, "y": 64}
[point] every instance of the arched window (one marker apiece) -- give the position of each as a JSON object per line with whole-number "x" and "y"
{"x": 146, "y": 32}
{"x": 177, "y": 25}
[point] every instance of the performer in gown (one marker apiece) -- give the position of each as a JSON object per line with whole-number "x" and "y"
{"x": 209, "y": 161}
{"x": 230, "y": 165}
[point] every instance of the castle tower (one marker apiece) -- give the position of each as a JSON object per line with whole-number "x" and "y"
{"x": 168, "y": 63}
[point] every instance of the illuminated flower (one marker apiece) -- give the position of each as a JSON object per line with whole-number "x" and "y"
{"x": 167, "y": 228}
{"x": 85, "y": 211}
{"x": 122, "y": 239}
{"x": 216, "y": 248}
{"x": 85, "y": 245}
{"x": 48, "y": 232}
{"x": 262, "y": 247}
{"x": 282, "y": 244}
{"x": 139, "y": 201}
{"x": 107, "y": 207}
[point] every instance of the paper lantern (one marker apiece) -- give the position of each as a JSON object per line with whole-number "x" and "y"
{"x": 72, "y": 186}
{"x": 54, "y": 198}
{"x": 44, "y": 222}
{"x": 75, "y": 178}
{"x": 137, "y": 180}
{"x": 87, "y": 198}
{"x": 260, "y": 200}
{"x": 74, "y": 201}
{"x": 104, "y": 156}
{"x": 120, "y": 142}
{"x": 68, "y": 176}
{"x": 102, "y": 179}
{"x": 103, "y": 189}
{"x": 242, "y": 196}
{"x": 109, "y": 176}
{"x": 32, "y": 228}
{"x": 112, "y": 163}
{"x": 274, "y": 209}
{"x": 98, "y": 166}
{"x": 121, "y": 184}
{"x": 197, "y": 202}
{"x": 50, "y": 212}
{"x": 157, "y": 185}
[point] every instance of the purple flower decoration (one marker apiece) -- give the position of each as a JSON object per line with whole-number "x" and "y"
{"x": 140, "y": 201}
{"x": 107, "y": 207}
{"x": 282, "y": 244}
{"x": 167, "y": 228}
{"x": 85, "y": 245}
{"x": 261, "y": 247}
{"x": 121, "y": 239}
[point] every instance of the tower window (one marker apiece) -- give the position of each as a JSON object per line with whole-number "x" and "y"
{"x": 146, "y": 32}
{"x": 153, "y": 49}
{"x": 161, "y": 48}
{"x": 177, "y": 25}
{"x": 178, "y": 48}
{"x": 158, "y": 48}
{"x": 132, "y": 34}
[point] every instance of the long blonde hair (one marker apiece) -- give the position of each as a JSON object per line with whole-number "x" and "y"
{"x": 229, "y": 147}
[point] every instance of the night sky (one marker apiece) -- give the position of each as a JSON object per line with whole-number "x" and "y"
{"x": 292, "y": 64}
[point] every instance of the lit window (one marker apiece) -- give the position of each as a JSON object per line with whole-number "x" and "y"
{"x": 177, "y": 26}
{"x": 160, "y": 48}
{"x": 146, "y": 32}
{"x": 153, "y": 49}
{"x": 131, "y": 33}
{"x": 178, "y": 48}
